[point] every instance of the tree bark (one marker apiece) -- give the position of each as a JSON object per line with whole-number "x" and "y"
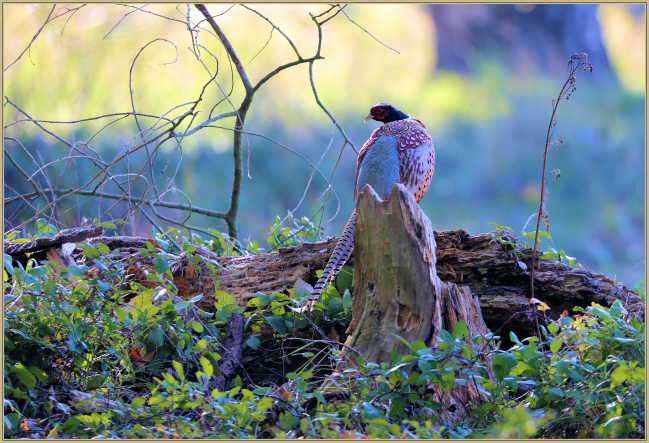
{"x": 397, "y": 291}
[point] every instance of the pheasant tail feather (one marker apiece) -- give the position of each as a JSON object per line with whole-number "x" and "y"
{"x": 341, "y": 254}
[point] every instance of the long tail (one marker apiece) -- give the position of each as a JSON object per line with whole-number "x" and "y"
{"x": 341, "y": 253}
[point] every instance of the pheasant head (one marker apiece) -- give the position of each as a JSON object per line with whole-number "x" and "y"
{"x": 385, "y": 113}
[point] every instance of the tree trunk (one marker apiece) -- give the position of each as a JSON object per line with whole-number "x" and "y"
{"x": 397, "y": 291}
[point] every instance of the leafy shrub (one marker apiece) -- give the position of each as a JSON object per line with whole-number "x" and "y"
{"x": 147, "y": 368}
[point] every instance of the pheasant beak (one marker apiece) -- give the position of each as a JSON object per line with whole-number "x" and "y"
{"x": 368, "y": 118}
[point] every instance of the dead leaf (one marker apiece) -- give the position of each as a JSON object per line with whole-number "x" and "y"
{"x": 53, "y": 256}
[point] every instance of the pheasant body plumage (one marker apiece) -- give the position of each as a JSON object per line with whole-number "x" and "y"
{"x": 400, "y": 151}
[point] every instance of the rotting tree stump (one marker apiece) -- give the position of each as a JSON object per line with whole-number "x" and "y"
{"x": 395, "y": 278}
{"x": 397, "y": 291}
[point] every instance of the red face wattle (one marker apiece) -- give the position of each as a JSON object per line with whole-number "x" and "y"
{"x": 378, "y": 112}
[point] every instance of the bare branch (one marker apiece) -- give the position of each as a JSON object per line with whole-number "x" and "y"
{"x": 28, "y": 48}
{"x": 364, "y": 30}
{"x": 47, "y": 20}
{"x": 122, "y": 19}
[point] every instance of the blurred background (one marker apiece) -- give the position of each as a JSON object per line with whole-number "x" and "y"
{"x": 481, "y": 77}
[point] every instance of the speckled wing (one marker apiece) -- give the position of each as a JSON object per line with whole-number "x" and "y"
{"x": 416, "y": 159}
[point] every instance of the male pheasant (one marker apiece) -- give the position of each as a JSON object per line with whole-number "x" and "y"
{"x": 400, "y": 151}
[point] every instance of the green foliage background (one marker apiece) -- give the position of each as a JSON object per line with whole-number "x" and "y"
{"x": 488, "y": 123}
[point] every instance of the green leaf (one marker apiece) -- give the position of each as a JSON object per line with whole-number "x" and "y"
{"x": 504, "y": 362}
{"x": 223, "y": 298}
{"x": 345, "y": 278}
{"x": 74, "y": 270}
{"x": 179, "y": 369}
{"x": 253, "y": 343}
{"x": 201, "y": 345}
{"x": 38, "y": 271}
{"x": 619, "y": 375}
{"x": 181, "y": 305}
{"x": 197, "y": 327}
{"x": 208, "y": 369}
{"x": 196, "y": 299}
{"x": 574, "y": 375}
{"x": 42, "y": 376}
{"x": 347, "y": 300}
{"x": 287, "y": 420}
{"x": 149, "y": 246}
{"x": 91, "y": 252}
{"x": 513, "y": 337}
{"x": 320, "y": 397}
{"x": 418, "y": 346}
{"x": 425, "y": 366}
{"x": 155, "y": 339}
{"x": 553, "y": 328}
{"x": 555, "y": 345}
{"x": 189, "y": 247}
{"x": 70, "y": 425}
{"x": 25, "y": 377}
{"x": 103, "y": 248}
{"x": 277, "y": 323}
{"x": 161, "y": 265}
{"x": 137, "y": 402}
{"x": 448, "y": 338}
{"x": 335, "y": 304}
{"x": 460, "y": 329}
{"x": 403, "y": 340}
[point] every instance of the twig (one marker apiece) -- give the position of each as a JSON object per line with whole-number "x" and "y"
{"x": 576, "y": 63}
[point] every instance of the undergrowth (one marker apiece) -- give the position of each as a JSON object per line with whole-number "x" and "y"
{"x": 91, "y": 353}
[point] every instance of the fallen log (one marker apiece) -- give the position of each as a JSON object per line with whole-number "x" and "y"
{"x": 39, "y": 248}
{"x": 488, "y": 268}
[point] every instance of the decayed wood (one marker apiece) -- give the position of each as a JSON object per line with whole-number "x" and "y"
{"x": 455, "y": 304}
{"x": 233, "y": 350}
{"x": 38, "y": 249}
{"x": 394, "y": 279}
{"x": 489, "y": 269}
{"x": 397, "y": 291}
{"x": 493, "y": 273}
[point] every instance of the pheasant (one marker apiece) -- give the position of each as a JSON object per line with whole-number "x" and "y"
{"x": 400, "y": 151}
